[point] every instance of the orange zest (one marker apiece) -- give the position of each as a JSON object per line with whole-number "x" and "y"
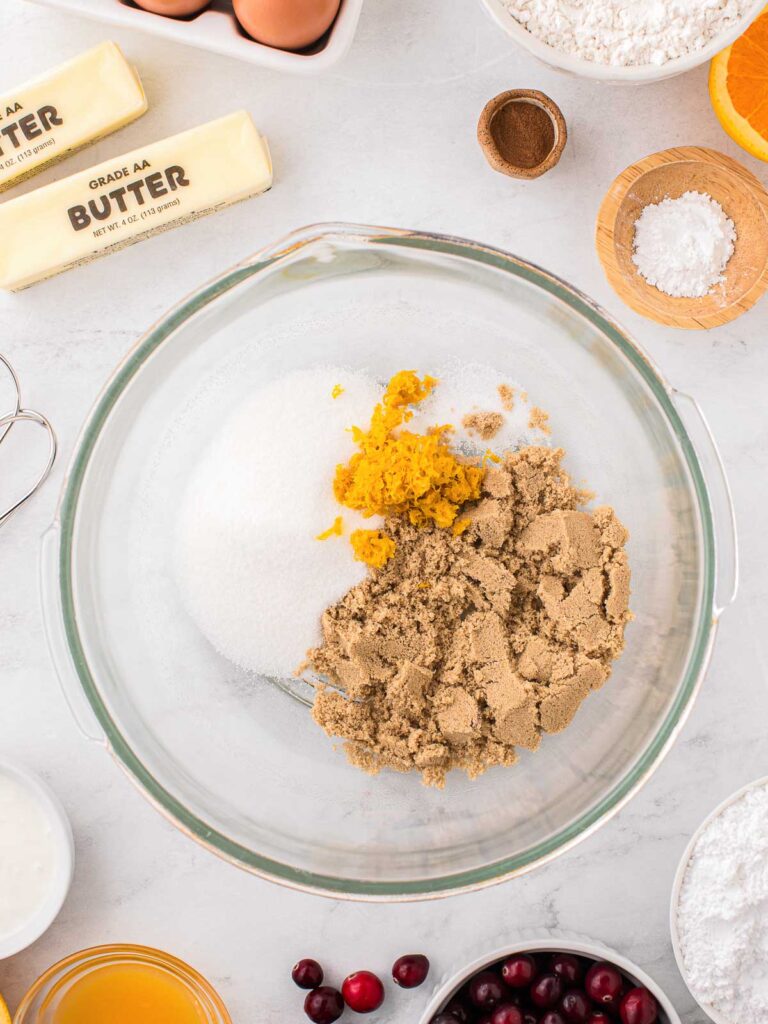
{"x": 738, "y": 88}
{"x": 337, "y": 390}
{"x": 335, "y": 530}
{"x": 373, "y": 547}
{"x": 398, "y": 472}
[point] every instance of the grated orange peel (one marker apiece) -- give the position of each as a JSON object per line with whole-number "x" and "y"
{"x": 399, "y": 472}
{"x": 373, "y": 547}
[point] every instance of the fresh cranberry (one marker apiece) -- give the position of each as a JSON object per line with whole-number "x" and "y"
{"x": 529, "y": 1017}
{"x": 552, "y": 1017}
{"x": 324, "y": 1005}
{"x": 638, "y": 1007}
{"x": 575, "y": 1006}
{"x": 307, "y": 974}
{"x": 363, "y": 992}
{"x": 486, "y": 990}
{"x": 485, "y": 1019}
{"x": 604, "y": 984}
{"x": 599, "y": 1017}
{"x": 507, "y": 1013}
{"x": 410, "y": 971}
{"x": 519, "y": 971}
{"x": 546, "y": 991}
{"x": 458, "y": 1010}
{"x": 568, "y": 967}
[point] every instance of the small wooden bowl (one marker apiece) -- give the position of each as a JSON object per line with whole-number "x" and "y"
{"x": 486, "y": 136}
{"x": 670, "y": 174}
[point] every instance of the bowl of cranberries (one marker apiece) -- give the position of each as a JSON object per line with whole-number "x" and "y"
{"x": 551, "y": 982}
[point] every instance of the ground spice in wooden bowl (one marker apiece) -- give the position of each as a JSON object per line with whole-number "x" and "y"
{"x": 522, "y": 133}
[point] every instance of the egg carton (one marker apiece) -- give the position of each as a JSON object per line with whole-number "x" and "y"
{"x": 216, "y": 29}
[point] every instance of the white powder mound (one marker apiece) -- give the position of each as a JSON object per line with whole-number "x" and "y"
{"x": 473, "y": 387}
{"x": 682, "y": 246}
{"x": 723, "y": 912}
{"x": 627, "y": 32}
{"x": 250, "y": 571}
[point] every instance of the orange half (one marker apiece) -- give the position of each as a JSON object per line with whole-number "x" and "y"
{"x": 738, "y": 88}
{"x": 5, "y": 1017}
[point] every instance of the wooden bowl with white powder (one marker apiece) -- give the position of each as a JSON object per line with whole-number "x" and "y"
{"x": 695, "y": 194}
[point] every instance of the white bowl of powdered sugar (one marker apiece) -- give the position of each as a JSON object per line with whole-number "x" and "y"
{"x": 624, "y": 40}
{"x": 718, "y": 914}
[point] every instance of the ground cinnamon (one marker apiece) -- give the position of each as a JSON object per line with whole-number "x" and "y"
{"x": 523, "y": 133}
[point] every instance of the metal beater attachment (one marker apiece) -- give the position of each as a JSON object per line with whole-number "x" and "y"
{"x": 18, "y": 415}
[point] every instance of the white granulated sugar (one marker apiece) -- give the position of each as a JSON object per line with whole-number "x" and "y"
{"x": 250, "y": 571}
{"x": 474, "y": 387}
{"x": 723, "y": 912}
{"x": 627, "y": 32}
{"x": 682, "y": 246}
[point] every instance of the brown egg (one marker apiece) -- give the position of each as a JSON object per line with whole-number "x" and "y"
{"x": 286, "y": 24}
{"x": 173, "y": 8}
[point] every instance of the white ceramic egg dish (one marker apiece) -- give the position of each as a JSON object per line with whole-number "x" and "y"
{"x": 215, "y": 29}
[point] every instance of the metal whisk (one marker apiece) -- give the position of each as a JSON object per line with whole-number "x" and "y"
{"x": 17, "y": 415}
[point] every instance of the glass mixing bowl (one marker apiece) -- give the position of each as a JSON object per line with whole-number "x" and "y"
{"x": 236, "y": 762}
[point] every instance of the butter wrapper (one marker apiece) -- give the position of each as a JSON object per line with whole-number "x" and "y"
{"x": 70, "y": 107}
{"x": 128, "y": 198}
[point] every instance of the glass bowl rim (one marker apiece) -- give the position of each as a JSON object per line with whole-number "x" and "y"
{"x": 467, "y": 880}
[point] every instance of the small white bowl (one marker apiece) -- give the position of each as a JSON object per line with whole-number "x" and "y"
{"x": 616, "y": 73}
{"x": 553, "y": 943}
{"x": 677, "y": 885}
{"x": 65, "y": 860}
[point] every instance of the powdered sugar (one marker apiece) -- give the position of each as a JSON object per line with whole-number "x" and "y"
{"x": 723, "y": 912}
{"x": 627, "y": 32}
{"x": 682, "y": 246}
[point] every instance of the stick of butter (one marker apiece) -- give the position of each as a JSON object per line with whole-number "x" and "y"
{"x": 68, "y": 108}
{"x": 128, "y": 198}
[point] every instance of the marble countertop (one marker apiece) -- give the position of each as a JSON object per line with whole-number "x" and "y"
{"x": 388, "y": 137}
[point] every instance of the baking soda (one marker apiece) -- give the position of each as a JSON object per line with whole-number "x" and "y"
{"x": 682, "y": 246}
{"x": 251, "y": 572}
{"x": 722, "y": 919}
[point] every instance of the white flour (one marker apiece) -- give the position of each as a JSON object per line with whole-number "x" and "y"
{"x": 682, "y": 246}
{"x": 723, "y": 912}
{"x": 627, "y": 32}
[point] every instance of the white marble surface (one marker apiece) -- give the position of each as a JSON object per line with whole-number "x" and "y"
{"x": 388, "y": 137}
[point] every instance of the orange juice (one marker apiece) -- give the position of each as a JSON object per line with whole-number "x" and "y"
{"x": 126, "y": 993}
{"x": 121, "y": 984}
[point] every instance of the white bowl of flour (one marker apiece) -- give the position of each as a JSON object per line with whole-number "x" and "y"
{"x": 624, "y": 40}
{"x": 718, "y": 913}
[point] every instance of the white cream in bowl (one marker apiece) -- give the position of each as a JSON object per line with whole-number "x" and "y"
{"x": 36, "y": 858}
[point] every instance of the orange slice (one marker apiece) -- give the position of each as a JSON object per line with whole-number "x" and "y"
{"x": 738, "y": 88}
{"x": 5, "y": 1017}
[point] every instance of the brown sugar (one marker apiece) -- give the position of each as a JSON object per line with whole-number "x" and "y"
{"x": 507, "y": 396}
{"x": 484, "y": 425}
{"x": 539, "y": 420}
{"x": 520, "y": 619}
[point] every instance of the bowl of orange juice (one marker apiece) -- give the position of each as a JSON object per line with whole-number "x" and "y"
{"x": 121, "y": 984}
